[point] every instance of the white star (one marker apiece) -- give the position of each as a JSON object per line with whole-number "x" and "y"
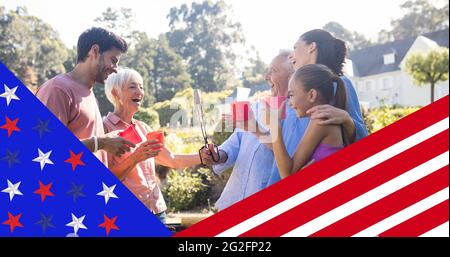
{"x": 77, "y": 223}
{"x": 9, "y": 94}
{"x": 12, "y": 190}
{"x": 108, "y": 192}
{"x": 44, "y": 158}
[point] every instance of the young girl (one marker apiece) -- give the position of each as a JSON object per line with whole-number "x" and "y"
{"x": 311, "y": 85}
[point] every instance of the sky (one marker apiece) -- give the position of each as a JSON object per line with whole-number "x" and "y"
{"x": 268, "y": 25}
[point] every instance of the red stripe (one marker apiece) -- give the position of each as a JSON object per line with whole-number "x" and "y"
{"x": 420, "y": 223}
{"x": 388, "y": 206}
{"x": 352, "y": 188}
{"x": 317, "y": 172}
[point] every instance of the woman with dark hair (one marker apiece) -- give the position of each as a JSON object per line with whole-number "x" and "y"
{"x": 320, "y": 47}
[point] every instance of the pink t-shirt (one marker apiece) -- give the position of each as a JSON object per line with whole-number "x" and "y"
{"x": 142, "y": 179}
{"x": 75, "y": 106}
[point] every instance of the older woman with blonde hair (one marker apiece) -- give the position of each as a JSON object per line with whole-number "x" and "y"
{"x": 136, "y": 169}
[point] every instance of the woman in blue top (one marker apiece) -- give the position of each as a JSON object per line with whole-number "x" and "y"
{"x": 320, "y": 47}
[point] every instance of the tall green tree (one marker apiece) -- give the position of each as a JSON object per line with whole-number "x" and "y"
{"x": 204, "y": 35}
{"x": 421, "y": 17}
{"x": 103, "y": 103}
{"x": 354, "y": 39}
{"x": 163, "y": 70}
{"x": 71, "y": 60}
{"x": 254, "y": 72}
{"x": 169, "y": 74}
{"x": 121, "y": 21}
{"x": 385, "y": 36}
{"x": 31, "y": 48}
{"x": 140, "y": 58}
{"x": 428, "y": 68}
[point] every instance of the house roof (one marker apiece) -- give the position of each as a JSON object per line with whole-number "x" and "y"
{"x": 369, "y": 61}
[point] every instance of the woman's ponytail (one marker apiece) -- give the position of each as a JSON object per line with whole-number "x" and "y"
{"x": 340, "y": 93}
{"x": 340, "y": 101}
{"x": 340, "y": 51}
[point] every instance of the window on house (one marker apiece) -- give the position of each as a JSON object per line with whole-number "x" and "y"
{"x": 389, "y": 58}
{"x": 369, "y": 85}
{"x": 387, "y": 83}
{"x": 360, "y": 86}
{"x": 379, "y": 86}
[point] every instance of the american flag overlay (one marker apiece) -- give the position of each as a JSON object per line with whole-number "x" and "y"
{"x": 393, "y": 183}
{"x": 51, "y": 185}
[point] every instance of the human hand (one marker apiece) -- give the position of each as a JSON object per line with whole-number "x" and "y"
{"x": 114, "y": 144}
{"x": 208, "y": 155}
{"x": 328, "y": 115}
{"x": 147, "y": 150}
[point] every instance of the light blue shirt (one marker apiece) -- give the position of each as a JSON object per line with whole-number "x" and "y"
{"x": 252, "y": 161}
{"x": 293, "y": 128}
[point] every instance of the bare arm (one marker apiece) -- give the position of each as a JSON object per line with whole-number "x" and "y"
{"x": 89, "y": 143}
{"x": 146, "y": 150}
{"x": 112, "y": 144}
{"x": 121, "y": 169}
{"x": 284, "y": 161}
{"x": 314, "y": 135}
{"x": 176, "y": 161}
{"x": 287, "y": 165}
{"x": 350, "y": 128}
{"x": 327, "y": 115}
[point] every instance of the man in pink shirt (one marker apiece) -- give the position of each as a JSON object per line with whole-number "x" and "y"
{"x": 71, "y": 98}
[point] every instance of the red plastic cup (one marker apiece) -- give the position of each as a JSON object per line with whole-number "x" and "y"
{"x": 131, "y": 135}
{"x": 241, "y": 110}
{"x": 158, "y": 135}
{"x": 275, "y": 102}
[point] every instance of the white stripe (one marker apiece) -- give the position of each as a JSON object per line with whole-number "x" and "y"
{"x": 370, "y": 197}
{"x": 439, "y": 231}
{"x": 405, "y": 214}
{"x": 337, "y": 179}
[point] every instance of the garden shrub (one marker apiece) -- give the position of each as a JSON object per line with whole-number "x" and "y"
{"x": 148, "y": 116}
{"x": 378, "y": 118}
{"x": 185, "y": 189}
